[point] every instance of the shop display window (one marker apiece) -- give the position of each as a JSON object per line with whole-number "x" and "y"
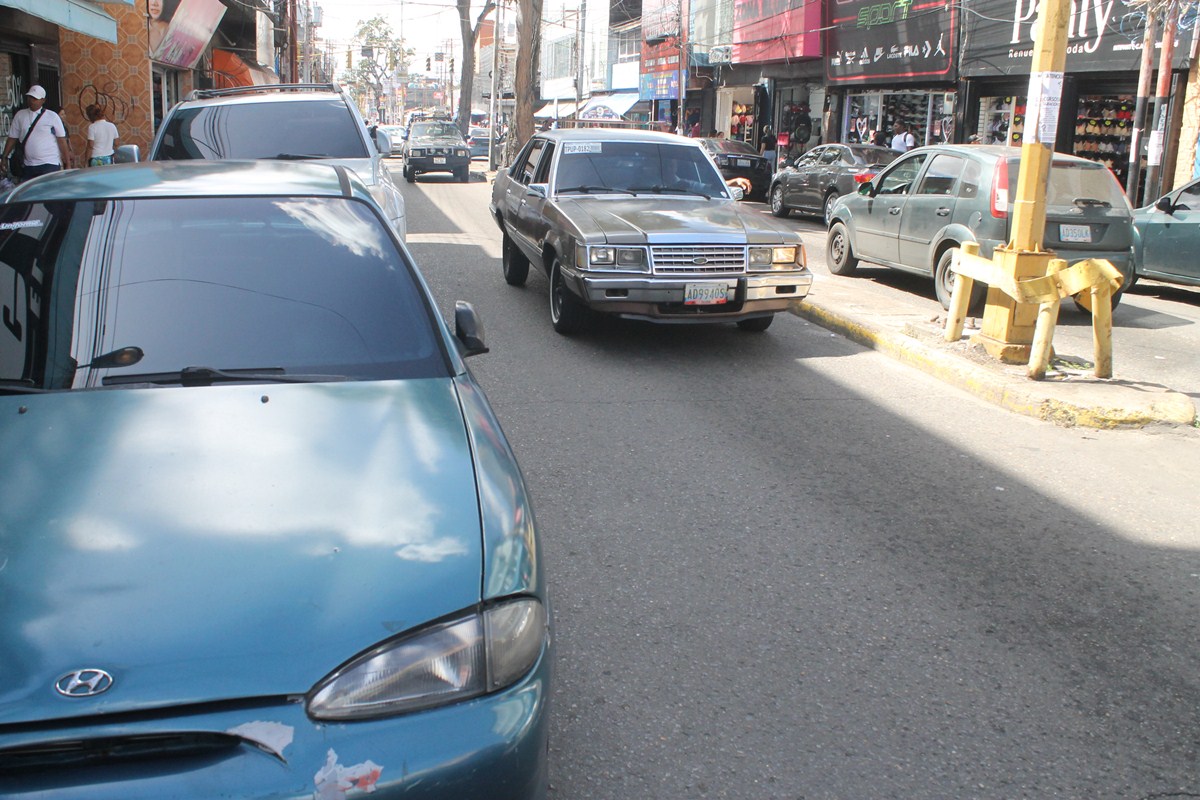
{"x": 871, "y": 117}
{"x": 1002, "y": 120}
{"x": 1104, "y": 131}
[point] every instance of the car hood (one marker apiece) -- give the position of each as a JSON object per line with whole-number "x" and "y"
{"x": 211, "y": 543}
{"x": 670, "y": 221}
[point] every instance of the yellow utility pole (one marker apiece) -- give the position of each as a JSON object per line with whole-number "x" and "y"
{"x": 1008, "y": 326}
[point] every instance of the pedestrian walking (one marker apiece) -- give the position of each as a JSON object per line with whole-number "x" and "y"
{"x": 769, "y": 145}
{"x": 103, "y": 137}
{"x": 41, "y": 137}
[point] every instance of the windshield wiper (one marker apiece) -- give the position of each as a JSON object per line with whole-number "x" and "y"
{"x": 1092, "y": 202}
{"x": 298, "y": 156}
{"x": 589, "y": 189}
{"x": 207, "y": 376}
{"x": 673, "y": 190}
{"x": 20, "y": 386}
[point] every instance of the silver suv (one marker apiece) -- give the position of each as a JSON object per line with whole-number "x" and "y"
{"x": 932, "y": 199}
{"x": 317, "y": 123}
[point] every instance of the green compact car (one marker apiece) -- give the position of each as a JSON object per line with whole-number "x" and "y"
{"x": 261, "y": 535}
{"x": 1168, "y": 237}
{"x": 931, "y": 200}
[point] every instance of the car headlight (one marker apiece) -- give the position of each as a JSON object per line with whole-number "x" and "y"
{"x": 617, "y": 258}
{"x": 417, "y": 151}
{"x": 463, "y": 153}
{"x": 472, "y": 655}
{"x": 781, "y": 257}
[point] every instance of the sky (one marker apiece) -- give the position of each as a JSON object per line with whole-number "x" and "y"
{"x": 425, "y": 25}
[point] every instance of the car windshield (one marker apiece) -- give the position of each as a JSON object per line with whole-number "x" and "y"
{"x": 435, "y": 129}
{"x": 731, "y": 146}
{"x": 302, "y": 286}
{"x": 322, "y": 128}
{"x": 637, "y": 167}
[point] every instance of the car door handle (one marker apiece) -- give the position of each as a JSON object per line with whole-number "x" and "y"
{"x": 894, "y": 210}
{"x": 943, "y": 212}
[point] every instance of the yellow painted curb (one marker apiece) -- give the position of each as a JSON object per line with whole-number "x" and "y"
{"x": 1094, "y": 404}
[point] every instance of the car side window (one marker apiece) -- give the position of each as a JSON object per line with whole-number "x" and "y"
{"x": 809, "y": 158}
{"x": 1189, "y": 198}
{"x": 942, "y": 174}
{"x": 968, "y": 184}
{"x": 899, "y": 179}
{"x": 529, "y": 169}
{"x": 830, "y": 156}
{"x": 543, "y": 171}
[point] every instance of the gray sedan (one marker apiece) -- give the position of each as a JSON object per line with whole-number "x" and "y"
{"x": 815, "y": 180}
{"x": 641, "y": 224}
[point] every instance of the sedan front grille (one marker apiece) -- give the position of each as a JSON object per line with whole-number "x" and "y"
{"x": 698, "y": 259}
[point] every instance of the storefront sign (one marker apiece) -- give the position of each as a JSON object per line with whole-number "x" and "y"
{"x": 659, "y": 86}
{"x": 776, "y": 30}
{"x": 904, "y": 41}
{"x": 1102, "y": 36}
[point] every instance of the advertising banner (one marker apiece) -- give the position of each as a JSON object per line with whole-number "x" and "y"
{"x": 776, "y": 30}
{"x": 191, "y": 27}
{"x": 1102, "y": 36}
{"x": 891, "y": 42}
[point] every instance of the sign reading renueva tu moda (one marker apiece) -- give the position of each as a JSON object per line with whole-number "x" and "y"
{"x": 904, "y": 41}
{"x": 1102, "y": 36}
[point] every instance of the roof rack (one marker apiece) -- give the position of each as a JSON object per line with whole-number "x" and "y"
{"x": 198, "y": 94}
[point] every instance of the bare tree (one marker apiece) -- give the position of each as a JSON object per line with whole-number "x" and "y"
{"x": 529, "y": 36}
{"x": 466, "y": 80}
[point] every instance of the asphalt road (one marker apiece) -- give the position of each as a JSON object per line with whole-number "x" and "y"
{"x": 784, "y": 566}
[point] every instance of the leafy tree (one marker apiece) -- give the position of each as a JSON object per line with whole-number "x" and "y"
{"x": 380, "y": 54}
{"x": 467, "y": 77}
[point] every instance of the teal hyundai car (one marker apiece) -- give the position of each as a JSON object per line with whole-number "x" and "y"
{"x": 261, "y": 535}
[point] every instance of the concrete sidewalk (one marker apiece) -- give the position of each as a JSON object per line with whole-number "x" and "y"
{"x": 1069, "y": 396}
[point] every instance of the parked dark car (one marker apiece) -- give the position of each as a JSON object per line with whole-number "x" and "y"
{"x": 641, "y": 225}
{"x": 816, "y": 179}
{"x": 740, "y": 160}
{"x": 286, "y": 122}
{"x": 436, "y": 146}
{"x": 261, "y": 535}
{"x": 478, "y": 141}
{"x": 932, "y": 199}
{"x": 1167, "y": 237}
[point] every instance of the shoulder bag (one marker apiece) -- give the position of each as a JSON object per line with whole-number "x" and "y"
{"x": 16, "y": 164}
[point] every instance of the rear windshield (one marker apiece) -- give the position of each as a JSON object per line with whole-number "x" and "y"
{"x": 1076, "y": 183}
{"x": 306, "y": 285}
{"x": 873, "y": 156}
{"x": 731, "y": 146}
{"x": 322, "y": 128}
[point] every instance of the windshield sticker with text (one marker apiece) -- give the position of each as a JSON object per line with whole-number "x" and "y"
{"x": 570, "y": 148}
{"x": 25, "y": 223}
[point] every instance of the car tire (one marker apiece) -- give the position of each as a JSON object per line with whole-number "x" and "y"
{"x": 514, "y": 262}
{"x": 943, "y": 284}
{"x": 409, "y": 175}
{"x": 568, "y": 314}
{"x": 839, "y": 255}
{"x": 463, "y": 174}
{"x": 778, "y": 209}
{"x": 755, "y": 324}
{"x": 830, "y": 201}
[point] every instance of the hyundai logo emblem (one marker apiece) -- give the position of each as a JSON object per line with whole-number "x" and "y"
{"x": 699, "y": 260}
{"x": 84, "y": 683}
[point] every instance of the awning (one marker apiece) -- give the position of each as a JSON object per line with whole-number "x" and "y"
{"x": 565, "y": 109}
{"x": 230, "y": 70}
{"x": 80, "y": 16}
{"x": 609, "y": 106}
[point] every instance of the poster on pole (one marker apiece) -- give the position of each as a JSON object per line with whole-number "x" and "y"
{"x": 1041, "y": 110}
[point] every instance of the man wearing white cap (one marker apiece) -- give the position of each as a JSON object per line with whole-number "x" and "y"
{"x": 45, "y": 145}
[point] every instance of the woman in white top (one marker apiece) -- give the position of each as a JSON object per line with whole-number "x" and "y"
{"x": 103, "y": 136}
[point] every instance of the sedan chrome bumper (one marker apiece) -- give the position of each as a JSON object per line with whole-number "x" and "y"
{"x": 662, "y": 298}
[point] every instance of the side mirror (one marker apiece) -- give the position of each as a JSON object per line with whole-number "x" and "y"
{"x": 383, "y": 142}
{"x": 468, "y": 329}
{"x": 127, "y": 154}
{"x": 867, "y": 189}
{"x": 736, "y": 192}
{"x": 538, "y": 189}
{"x": 1165, "y": 205}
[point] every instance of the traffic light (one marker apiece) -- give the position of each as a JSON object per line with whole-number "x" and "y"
{"x": 452, "y": 66}
{"x": 428, "y": 64}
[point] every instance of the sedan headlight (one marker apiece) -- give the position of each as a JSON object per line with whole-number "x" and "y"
{"x": 444, "y": 663}
{"x": 462, "y": 152}
{"x": 781, "y": 257}
{"x": 625, "y": 259}
{"x": 417, "y": 151}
